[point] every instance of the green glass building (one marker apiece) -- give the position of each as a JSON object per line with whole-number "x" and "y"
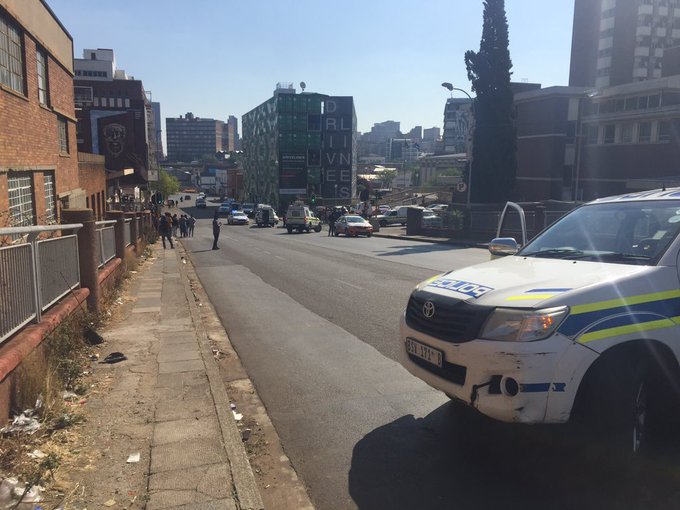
{"x": 296, "y": 146}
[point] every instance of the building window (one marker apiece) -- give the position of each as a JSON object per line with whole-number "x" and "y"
{"x": 63, "y": 135}
{"x": 645, "y": 132}
{"x": 610, "y": 133}
{"x": 20, "y": 200}
{"x": 664, "y": 131}
{"x": 50, "y": 209}
{"x": 627, "y": 133}
{"x": 593, "y": 134}
{"x": 41, "y": 59}
{"x": 11, "y": 56}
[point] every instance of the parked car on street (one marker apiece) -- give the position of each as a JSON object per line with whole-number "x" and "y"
{"x": 439, "y": 207}
{"x": 431, "y": 220}
{"x": 249, "y": 209}
{"x": 384, "y": 208}
{"x": 352, "y": 225}
{"x": 237, "y": 218}
{"x": 200, "y": 203}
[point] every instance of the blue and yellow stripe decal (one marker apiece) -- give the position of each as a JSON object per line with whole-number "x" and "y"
{"x": 534, "y": 294}
{"x": 645, "y": 312}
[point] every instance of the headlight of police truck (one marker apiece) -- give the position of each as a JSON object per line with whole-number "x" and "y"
{"x": 512, "y": 325}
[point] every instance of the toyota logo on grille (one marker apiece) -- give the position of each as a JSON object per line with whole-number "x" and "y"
{"x": 428, "y": 309}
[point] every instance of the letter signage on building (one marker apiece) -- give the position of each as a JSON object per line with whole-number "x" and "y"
{"x": 338, "y": 159}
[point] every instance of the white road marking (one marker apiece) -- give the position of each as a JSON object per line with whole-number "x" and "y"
{"x": 349, "y": 284}
{"x": 267, "y": 252}
{"x": 279, "y": 257}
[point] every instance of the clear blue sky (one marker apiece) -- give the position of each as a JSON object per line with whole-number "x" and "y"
{"x": 217, "y": 58}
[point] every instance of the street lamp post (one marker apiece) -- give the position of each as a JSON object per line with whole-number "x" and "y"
{"x": 335, "y": 196}
{"x": 451, "y": 88}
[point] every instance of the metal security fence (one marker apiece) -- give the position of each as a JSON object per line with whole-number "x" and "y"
{"x": 17, "y": 289}
{"x": 127, "y": 232}
{"x": 58, "y": 268}
{"x": 106, "y": 235}
{"x": 35, "y": 274}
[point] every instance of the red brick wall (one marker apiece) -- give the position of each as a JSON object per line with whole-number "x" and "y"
{"x": 92, "y": 175}
{"x": 29, "y": 139}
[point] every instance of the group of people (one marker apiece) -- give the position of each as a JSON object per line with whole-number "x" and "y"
{"x": 169, "y": 225}
{"x": 333, "y": 216}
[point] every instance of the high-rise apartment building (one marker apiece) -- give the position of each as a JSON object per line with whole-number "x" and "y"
{"x": 296, "y": 145}
{"x": 158, "y": 130}
{"x": 190, "y": 137}
{"x": 621, "y": 41}
{"x": 233, "y": 141}
{"x": 457, "y": 125}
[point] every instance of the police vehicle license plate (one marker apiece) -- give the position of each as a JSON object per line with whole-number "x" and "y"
{"x": 425, "y": 352}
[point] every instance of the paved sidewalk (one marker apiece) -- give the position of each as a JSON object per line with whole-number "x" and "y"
{"x": 197, "y": 456}
{"x": 167, "y": 402}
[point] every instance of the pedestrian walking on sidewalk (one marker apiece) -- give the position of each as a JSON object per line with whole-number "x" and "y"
{"x": 183, "y": 226}
{"x": 165, "y": 229}
{"x": 175, "y": 225}
{"x": 216, "y": 231}
{"x": 191, "y": 222}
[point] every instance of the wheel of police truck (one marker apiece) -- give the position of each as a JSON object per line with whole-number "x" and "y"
{"x": 308, "y": 228}
{"x": 290, "y": 230}
{"x": 619, "y": 411}
{"x": 317, "y": 229}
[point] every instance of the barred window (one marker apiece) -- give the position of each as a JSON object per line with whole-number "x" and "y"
{"x": 21, "y": 205}
{"x": 41, "y": 59}
{"x": 11, "y": 56}
{"x": 50, "y": 209}
{"x": 63, "y": 135}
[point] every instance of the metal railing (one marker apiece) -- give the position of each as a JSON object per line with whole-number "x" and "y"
{"x": 35, "y": 274}
{"x": 127, "y": 232}
{"x": 106, "y": 234}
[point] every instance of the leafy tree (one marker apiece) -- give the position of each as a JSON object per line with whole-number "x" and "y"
{"x": 167, "y": 184}
{"x": 494, "y": 166}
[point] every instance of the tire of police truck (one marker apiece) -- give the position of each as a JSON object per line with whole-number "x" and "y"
{"x": 618, "y": 415}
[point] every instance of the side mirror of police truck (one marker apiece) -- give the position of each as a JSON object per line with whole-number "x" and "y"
{"x": 503, "y": 246}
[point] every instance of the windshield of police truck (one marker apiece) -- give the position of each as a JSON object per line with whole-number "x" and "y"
{"x": 625, "y": 232}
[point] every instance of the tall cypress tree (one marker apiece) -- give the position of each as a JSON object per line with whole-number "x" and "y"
{"x": 494, "y": 165}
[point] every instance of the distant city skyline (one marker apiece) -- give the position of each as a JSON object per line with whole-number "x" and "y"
{"x": 391, "y": 57}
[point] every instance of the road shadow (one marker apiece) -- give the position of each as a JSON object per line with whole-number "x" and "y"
{"x": 419, "y": 248}
{"x": 457, "y": 459}
{"x": 199, "y": 213}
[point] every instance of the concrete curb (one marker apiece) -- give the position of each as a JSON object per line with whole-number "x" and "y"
{"x": 247, "y": 494}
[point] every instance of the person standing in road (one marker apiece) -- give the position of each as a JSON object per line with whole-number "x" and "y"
{"x": 216, "y": 224}
{"x": 165, "y": 229}
{"x": 331, "y": 222}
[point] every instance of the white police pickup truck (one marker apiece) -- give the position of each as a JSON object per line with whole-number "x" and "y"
{"x": 581, "y": 322}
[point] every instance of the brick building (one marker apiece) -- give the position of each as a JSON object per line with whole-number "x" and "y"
{"x": 115, "y": 117}
{"x": 38, "y": 157}
{"x": 92, "y": 175}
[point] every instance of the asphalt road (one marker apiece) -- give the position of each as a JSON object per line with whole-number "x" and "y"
{"x": 315, "y": 322}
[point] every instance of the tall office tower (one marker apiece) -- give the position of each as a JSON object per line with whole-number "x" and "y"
{"x": 190, "y": 137}
{"x": 621, "y": 41}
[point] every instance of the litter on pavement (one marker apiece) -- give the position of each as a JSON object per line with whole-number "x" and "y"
{"x": 133, "y": 458}
{"x": 114, "y": 357}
